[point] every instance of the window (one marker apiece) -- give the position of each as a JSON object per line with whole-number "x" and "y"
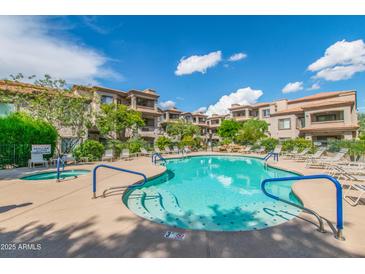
{"x": 240, "y": 113}
{"x": 105, "y": 99}
{"x": 328, "y": 116}
{"x": 145, "y": 102}
{"x": 266, "y": 112}
{"x": 285, "y": 123}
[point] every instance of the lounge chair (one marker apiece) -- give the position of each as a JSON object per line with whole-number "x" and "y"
{"x": 277, "y": 149}
{"x": 168, "y": 150}
{"x": 157, "y": 150}
{"x": 328, "y": 162}
{"x": 144, "y": 152}
{"x": 260, "y": 150}
{"x": 247, "y": 149}
{"x": 36, "y": 158}
{"x": 176, "y": 150}
{"x": 187, "y": 149}
{"x": 358, "y": 187}
{"x": 315, "y": 157}
{"x": 291, "y": 154}
{"x": 301, "y": 156}
{"x": 108, "y": 155}
{"x": 125, "y": 155}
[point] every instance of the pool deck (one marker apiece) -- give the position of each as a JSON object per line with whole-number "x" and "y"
{"x": 66, "y": 222}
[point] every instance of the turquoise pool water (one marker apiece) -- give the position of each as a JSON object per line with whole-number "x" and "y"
{"x": 53, "y": 174}
{"x": 217, "y": 193}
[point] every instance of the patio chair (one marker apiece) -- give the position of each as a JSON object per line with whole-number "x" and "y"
{"x": 260, "y": 150}
{"x": 301, "y": 155}
{"x": 314, "y": 157}
{"x": 144, "y": 152}
{"x": 277, "y": 149}
{"x": 157, "y": 150}
{"x": 291, "y": 154}
{"x": 327, "y": 162}
{"x": 176, "y": 150}
{"x": 108, "y": 155}
{"x": 36, "y": 158}
{"x": 187, "y": 149}
{"x": 339, "y": 172}
{"x": 247, "y": 149}
{"x": 168, "y": 150}
{"x": 125, "y": 155}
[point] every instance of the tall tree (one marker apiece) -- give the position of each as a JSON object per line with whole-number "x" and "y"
{"x": 252, "y": 131}
{"x": 115, "y": 118}
{"x": 229, "y": 128}
{"x": 181, "y": 128}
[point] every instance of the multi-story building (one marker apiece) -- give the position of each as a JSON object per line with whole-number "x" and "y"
{"x": 213, "y": 123}
{"x": 319, "y": 117}
{"x": 143, "y": 101}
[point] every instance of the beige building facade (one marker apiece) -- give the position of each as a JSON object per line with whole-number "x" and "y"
{"x": 319, "y": 117}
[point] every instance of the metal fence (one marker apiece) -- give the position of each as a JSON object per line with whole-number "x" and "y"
{"x": 14, "y": 155}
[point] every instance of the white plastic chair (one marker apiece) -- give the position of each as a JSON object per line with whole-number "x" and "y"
{"x": 108, "y": 155}
{"x": 36, "y": 158}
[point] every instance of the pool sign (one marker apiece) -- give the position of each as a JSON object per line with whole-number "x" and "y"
{"x": 41, "y": 149}
{"x": 174, "y": 235}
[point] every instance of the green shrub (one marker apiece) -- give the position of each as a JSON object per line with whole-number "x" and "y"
{"x": 269, "y": 143}
{"x": 356, "y": 147}
{"x": 163, "y": 141}
{"x": 19, "y": 131}
{"x": 91, "y": 149}
{"x": 299, "y": 143}
{"x": 134, "y": 145}
{"x": 193, "y": 142}
{"x": 226, "y": 141}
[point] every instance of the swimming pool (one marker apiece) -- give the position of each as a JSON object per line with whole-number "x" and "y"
{"x": 53, "y": 174}
{"x": 214, "y": 193}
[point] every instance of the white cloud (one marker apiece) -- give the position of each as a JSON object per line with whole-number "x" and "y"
{"x": 27, "y": 46}
{"x": 201, "y": 109}
{"x": 238, "y": 56}
{"x": 243, "y": 96}
{"x": 341, "y": 61}
{"x": 168, "y": 104}
{"x": 292, "y": 87}
{"x": 315, "y": 86}
{"x": 198, "y": 63}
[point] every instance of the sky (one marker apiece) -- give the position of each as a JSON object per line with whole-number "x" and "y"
{"x": 203, "y": 63}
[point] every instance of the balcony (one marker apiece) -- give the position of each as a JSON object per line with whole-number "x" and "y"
{"x": 148, "y": 131}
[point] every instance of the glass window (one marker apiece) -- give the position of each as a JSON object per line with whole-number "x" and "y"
{"x": 266, "y": 112}
{"x": 324, "y": 117}
{"x": 285, "y": 123}
{"x": 106, "y": 99}
{"x": 145, "y": 102}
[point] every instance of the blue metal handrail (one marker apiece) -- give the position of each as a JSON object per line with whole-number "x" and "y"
{"x": 157, "y": 155}
{"x": 119, "y": 169}
{"x": 59, "y": 161}
{"x": 339, "y": 207}
{"x": 270, "y": 154}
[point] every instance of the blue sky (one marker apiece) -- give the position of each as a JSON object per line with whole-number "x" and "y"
{"x": 138, "y": 52}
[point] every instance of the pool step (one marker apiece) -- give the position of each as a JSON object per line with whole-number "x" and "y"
{"x": 136, "y": 205}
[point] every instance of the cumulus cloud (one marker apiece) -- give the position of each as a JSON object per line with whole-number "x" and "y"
{"x": 167, "y": 104}
{"x": 243, "y": 96}
{"x": 198, "y": 63}
{"x": 292, "y": 87}
{"x": 315, "y": 86}
{"x": 201, "y": 109}
{"x": 236, "y": 57}
{"x": 28, "y": 46}
{"x": 341, "y": 61}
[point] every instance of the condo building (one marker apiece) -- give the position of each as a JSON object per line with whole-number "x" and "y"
{"x": 319, "y": 117}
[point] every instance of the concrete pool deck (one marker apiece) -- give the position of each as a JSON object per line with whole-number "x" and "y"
{"x": 66, "y": 222}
